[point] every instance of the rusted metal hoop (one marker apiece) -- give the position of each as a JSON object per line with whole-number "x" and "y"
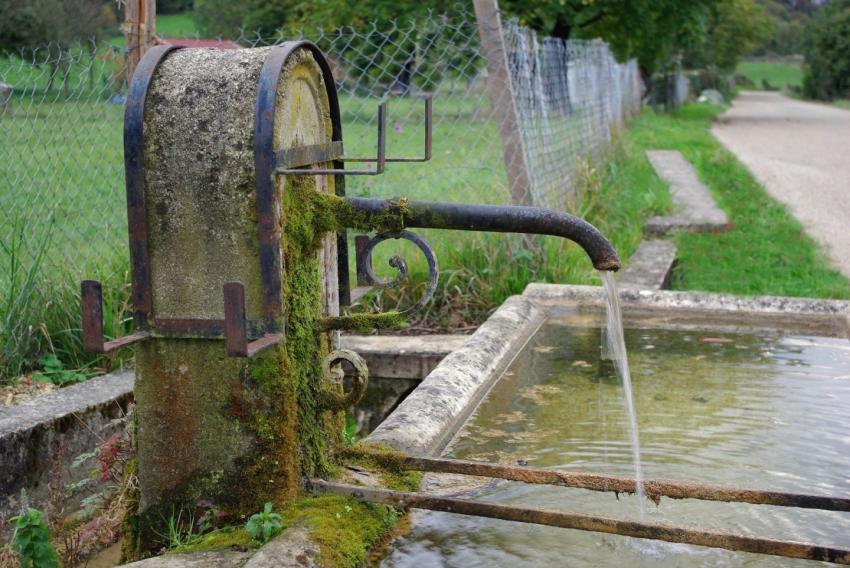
{"x": 334, "y": 400}
{"x": 134, "y": 168}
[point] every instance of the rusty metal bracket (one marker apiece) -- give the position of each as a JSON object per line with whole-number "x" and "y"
{"x": 578, "y": 521}
{"x": 235, "y": 325}
{"x": 91, "y": 298}
{"x": 293, "y": 161}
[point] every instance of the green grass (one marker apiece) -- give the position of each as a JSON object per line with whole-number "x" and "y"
{"x": 779, "y": 75}
{"x": 176, "y": 25}
{"x": 766, "y": 251}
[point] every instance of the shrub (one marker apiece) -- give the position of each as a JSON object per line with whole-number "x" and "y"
{"x": 827, "y": 69}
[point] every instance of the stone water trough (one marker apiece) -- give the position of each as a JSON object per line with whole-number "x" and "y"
{"x": 239, "y": 224}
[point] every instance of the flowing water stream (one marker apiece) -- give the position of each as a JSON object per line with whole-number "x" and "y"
{"x": 615, "y": 350}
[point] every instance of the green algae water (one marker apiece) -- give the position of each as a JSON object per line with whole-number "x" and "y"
{"x": 766, "y": 410}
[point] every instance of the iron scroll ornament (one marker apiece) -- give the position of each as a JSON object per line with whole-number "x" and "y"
{"x": 364, "y": 264}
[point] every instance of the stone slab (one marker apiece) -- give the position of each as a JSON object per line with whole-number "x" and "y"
{"x": 429, "y": 416}
{"x": 402, "y": 357}
{"x": 650, "y": 266}
{"x": 41, "y": 437}
{"x": 695, "y": 207}
{"x": 698, "y": 309}
{"x": 215, "y": 559}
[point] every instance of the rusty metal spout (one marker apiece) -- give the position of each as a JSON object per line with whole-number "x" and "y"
{"x": 499, "y": 219}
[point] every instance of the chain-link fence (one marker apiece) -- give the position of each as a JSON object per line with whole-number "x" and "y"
{"x": 61, "y": 123}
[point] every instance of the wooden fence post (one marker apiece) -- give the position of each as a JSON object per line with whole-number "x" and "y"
{"x": 139, "y": 31}
{"x": 501, "y": 94}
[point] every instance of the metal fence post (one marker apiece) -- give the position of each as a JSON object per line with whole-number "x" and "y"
{"x": 502, "y": 99}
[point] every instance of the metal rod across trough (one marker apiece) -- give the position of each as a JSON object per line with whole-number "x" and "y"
{"x": 654, "y": 487}
{"x": 638, "y": 529}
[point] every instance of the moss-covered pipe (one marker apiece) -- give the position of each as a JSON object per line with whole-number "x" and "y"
{"x": 495, "y": 218}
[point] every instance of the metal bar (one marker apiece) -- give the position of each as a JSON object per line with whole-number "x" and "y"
{"x": 235, "y": 331}
{"x": 380, "y": 160}
{"x": 134, "y": 168}
{"x": 360, "y": 242}
{"x": 124, "y": 341}
{"x": 93, "y": 340}
{"x": 653, "y": 487}
{"x": 428, "y": 141}
{"x": 236, "y": 342}
{"x": 500, "y": 219}
{"x": 263, "y": 343}
{"x": 307, "y": 155}
{"x": 568, "y": 520}
{"x": 92, "y": 302}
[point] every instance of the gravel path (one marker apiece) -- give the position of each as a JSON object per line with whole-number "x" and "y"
{"x": 800, "y": 152}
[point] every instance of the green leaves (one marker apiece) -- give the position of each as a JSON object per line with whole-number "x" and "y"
{"x": 53, "y": 371}
{"x": 349, "y": 432}
{"x": 32, "y": 541}
{"x": 264, "y": 526}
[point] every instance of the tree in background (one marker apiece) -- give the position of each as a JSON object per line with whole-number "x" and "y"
{"x": 45, "y": 30}
{"x": 173, "y": 6}
{"x": 827, "y": 51}
{"x": 790, "y": 20}
{"x": 652, "y": 31}
{"x": 37, "y": 23}
{"x": 733, "y": 29}
{"x": 387, "y": 55}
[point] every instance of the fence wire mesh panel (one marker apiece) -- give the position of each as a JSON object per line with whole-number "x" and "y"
{"x": 61, "y": 158}
{"x": 570, "y": 96}
{"x": 62, "y": 108}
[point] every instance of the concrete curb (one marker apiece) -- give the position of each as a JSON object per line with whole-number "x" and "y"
{"x": 697, "y": 210}
{"x": 41, "y": 437}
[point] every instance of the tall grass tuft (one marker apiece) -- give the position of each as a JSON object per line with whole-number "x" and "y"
{"x": 40, "y": 310}
{"x": 21, "y": 331}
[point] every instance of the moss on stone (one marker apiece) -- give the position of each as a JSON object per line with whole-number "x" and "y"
{"x": 130, "y": 523}
{"x": 333, "y": 212}
{"x": 229, "y": 537}
{"x": 387, "y": 462}
{"x": 363, "y": 323}
{"x": 345, "y": 528}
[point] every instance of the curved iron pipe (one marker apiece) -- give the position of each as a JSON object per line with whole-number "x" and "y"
{"x": 500, "y": 219}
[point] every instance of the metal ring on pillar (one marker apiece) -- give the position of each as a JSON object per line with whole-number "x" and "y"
{"x": 340, "y": 401}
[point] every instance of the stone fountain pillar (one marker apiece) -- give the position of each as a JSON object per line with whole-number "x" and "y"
{"x": 201, "y": 133}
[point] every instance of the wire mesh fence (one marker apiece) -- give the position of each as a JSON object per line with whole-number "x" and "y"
{"x": 61, "y": 158}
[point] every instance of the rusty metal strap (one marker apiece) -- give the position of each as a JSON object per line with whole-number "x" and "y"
{"x": 308, "y": 155}
{"x": 654, "y": 488}
{"x": 638, "y": 529}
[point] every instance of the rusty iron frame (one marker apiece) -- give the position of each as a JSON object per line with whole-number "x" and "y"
{"x": 293, "y": 161}
{"x": 584, "y": 522}
{"x": 270, "y": 329}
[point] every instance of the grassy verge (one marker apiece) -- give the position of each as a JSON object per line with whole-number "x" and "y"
{"x": 766, "y": 251}
{"x": 176, "y": 25}
{"x": 772, "y": 74}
